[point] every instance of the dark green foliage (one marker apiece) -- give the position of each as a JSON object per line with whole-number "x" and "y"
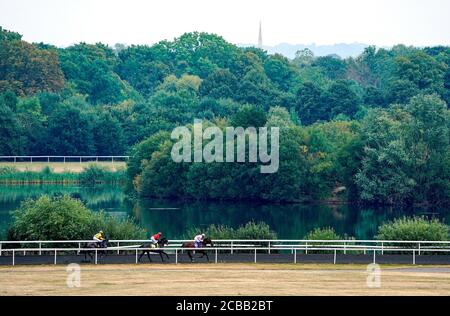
{"x": 97, "y": 175}
{"x": 341, "y": 124}
{"x": 249, "y": 231}
{"x": 323, "y": 234}
{"x": 414, "y": 229}
{"x": 65, "y": 218}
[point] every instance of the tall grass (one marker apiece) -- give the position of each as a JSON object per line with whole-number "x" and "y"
{"x": 89, "y": 176}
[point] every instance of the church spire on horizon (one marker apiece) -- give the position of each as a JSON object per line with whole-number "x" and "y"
{"x": 260, "y": 39}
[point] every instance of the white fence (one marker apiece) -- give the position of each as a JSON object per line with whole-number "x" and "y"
{"x": 63, "y": 159}
{"x": 414, "y": 248}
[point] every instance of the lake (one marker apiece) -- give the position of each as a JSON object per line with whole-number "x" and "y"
{"x": 174, "y": 218}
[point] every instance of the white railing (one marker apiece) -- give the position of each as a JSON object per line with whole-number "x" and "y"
{"x": 293, "y": 246}
{"x": 63, "y": 159}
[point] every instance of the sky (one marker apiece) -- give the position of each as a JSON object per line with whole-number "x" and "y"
{"x": 324, "y": 22}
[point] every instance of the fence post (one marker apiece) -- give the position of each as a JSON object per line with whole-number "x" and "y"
{"x": 269, "y": 247}
{"x": 382, "y": 248}
{"x": 419, "y": 249}
{"x": 96, "y": 256}
{"x": 306, "y": 248}
{"x": 295, "y": 256}
{"x": 136, "y": 257}
{"x": 334, "y": 260}
{"x": 345, "y": 248}
{"x": 176, "y": 256}
{"x": 414, "y": 257}
{"x": 374, "y": 256}
{"x": 216, "y": 256}
{"x": 231, "y": 247}
{"x": 1, "y": 249}
{"x": 14, "y": 257}
{"x": 40, "y": 249}
{"x": 255, "y": 255}
{"x": 55, "y": 257}
{"x": 118, "y": 250}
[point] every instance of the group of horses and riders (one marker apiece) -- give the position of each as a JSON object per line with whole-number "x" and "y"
{"x": 156, "y": 245}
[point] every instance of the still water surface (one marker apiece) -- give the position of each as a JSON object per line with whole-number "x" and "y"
{"x": 175, "y": 218}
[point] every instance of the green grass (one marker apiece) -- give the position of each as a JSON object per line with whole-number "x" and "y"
{"x": 87, "y": 174}
{"x": 60, "y": 167}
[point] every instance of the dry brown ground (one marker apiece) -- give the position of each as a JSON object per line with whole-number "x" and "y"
{"x": 223, "y": 279}
{"x": 59, "y": 167}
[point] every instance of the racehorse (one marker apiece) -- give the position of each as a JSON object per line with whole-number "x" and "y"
{"x": 161, "y": 244}
{"x": 93, "y": 245}
{"x": 206, "y": 243}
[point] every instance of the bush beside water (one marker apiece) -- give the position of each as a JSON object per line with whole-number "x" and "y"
{"x": 414, "y": 229}
{"x": 250, "y": 230}
{"x": 65, "y": 218}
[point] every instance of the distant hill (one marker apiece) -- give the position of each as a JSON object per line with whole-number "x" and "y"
{"x": 289, "y": 50}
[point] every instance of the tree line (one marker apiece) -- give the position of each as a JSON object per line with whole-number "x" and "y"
{"x": 376, "y": 125}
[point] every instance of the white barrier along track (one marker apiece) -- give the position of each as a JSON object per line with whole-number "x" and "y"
{"x": 294, "y": 247}
{"x": 64, "y": 159}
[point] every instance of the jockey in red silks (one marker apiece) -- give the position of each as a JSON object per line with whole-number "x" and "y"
{"x": 155, "y": 238}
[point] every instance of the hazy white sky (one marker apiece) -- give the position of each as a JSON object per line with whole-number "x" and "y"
{"x": 379, "y": 22}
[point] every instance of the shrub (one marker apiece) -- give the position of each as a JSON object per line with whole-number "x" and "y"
{"x": 65, "y": 218}
{"x": 94, "y": 174}
{"x": 326, "y": 233}
{"x": 414, "y": 229}
{"x": 115, "y": 228}
{"x": 250, "y": 230}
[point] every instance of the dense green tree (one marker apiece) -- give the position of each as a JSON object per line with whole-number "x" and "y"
{"x": 108, "y": 136}
{"x": 334, "y": 68}
{"x": 26, "y": 69}
{"x": 143, "y": 68}
{"x": 11, "y": 137}
{"x": 341, "y": 98}
{"x": 71, "y": 132}
{"x": 406, "y": 153}
{"x": 309, "y": 106}
{"x": 220, "y": 84}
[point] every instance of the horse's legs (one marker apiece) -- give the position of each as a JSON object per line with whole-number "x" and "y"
{"x": 204, "y": 253}
{"x": 166, "y": 255}
{"x": 190, "y": 255}
{"x": 140, "y": 257}
{"x": 161, "y": 255}
{"x": 148, "y": 255}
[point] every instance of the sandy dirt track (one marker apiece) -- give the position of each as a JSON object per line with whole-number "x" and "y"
{"x": 229, "y": 279}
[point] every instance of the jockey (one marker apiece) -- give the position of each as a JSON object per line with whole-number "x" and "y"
{"x": 155, "y": 238}
{"x": 198, "y": 240}
{"x": 100, "y": 238}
